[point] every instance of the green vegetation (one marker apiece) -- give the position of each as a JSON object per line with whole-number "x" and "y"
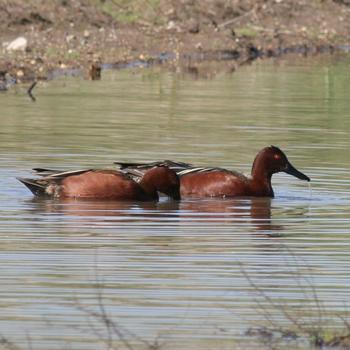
{"x": 247, "y": 32}
{"x": 131, "y": 11}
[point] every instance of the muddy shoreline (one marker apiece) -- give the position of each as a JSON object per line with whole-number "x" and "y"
{"x": 81, "y": 37}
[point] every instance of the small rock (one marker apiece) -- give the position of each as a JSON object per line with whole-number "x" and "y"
{"x": 19, "y": 44}
{"x": 86, "y": 34}
{"x": 199, "y": 46}
{"x": 193, "y": 26}
{"x": 170, "y": 12}
{"x": 171, "y": 25}
{"x": 20, "y": 73}
{"x": 69, "y": 38}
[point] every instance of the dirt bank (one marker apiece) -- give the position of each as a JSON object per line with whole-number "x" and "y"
{"x": 85, "y": 33}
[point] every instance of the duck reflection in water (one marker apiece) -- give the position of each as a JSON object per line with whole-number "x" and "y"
{"x": 94, "y": 211}
{"x": 256, "y": 212}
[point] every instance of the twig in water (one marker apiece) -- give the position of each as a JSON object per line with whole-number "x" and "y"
{"x": 113, "y": 329}
{"x": 29, "y": 91}
{"x": 7, "y": 344}
{"x": 280, "y": 307}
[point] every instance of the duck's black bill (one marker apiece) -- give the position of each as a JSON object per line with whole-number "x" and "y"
{"x": 292, "y": 171}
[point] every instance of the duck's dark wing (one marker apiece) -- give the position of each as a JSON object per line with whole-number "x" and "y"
{"x": 51, "y": 173}
{"x": 137, "y": 170}
{"x": 45, "y": 172}
{"x": 176, "y": 166}
{"x": 193, "y": 170}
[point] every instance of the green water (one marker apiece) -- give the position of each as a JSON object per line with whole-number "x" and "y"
{"x": 195, "y": 274}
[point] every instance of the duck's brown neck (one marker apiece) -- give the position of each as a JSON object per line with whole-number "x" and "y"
{"x": 149, "y": 187}
{"x": 261, "y": 177}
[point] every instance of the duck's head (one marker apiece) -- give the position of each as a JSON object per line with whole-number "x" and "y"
{"x": 163, "y": 180}
{"x": 271, "y": 160}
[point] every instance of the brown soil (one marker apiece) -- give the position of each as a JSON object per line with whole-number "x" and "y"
{"x": 79, "y": 33}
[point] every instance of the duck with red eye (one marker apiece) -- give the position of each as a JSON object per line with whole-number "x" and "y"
{"x": 218, "y": 182}
{"x": 269, "y": 161}
{"x": 105, "y": 184}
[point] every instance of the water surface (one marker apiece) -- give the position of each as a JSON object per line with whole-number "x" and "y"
{"x": 192, "y": 274}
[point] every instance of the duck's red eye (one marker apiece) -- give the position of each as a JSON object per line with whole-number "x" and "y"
{"x": 277, "y": 156}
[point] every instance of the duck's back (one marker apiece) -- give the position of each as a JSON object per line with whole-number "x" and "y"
{"x": 196, "y": 181}
{"x": 101, "y": 184}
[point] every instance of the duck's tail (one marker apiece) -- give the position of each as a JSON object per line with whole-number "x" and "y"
{"x": 37, "y": 187}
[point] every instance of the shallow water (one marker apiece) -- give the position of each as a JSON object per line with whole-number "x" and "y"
{"x": 191, "y": 274}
